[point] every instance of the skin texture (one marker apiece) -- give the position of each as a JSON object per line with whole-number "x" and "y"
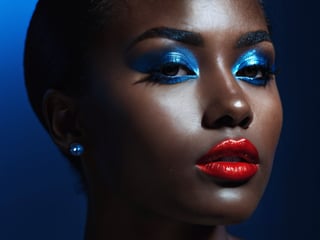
{"x": 142, "y": 139}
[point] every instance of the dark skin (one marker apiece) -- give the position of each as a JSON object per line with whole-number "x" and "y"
{"x": 142, "y": 139}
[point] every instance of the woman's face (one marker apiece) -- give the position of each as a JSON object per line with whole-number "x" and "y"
{"x": 178, "y": 78}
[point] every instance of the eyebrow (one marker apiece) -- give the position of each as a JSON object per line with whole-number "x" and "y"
{"x": 195, "y": 39}
{"x": 183, "y": 36}
{"x": 253, "y": 38}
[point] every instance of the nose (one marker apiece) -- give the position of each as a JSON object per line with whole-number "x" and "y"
{"x": 228, "y": 105}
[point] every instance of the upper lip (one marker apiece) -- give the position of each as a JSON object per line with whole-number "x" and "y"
{"x": 242, "y": 149}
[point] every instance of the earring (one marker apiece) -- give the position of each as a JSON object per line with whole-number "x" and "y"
{"x": 76, "y": 149}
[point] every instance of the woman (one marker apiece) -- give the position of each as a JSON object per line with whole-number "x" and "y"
{"x": 169, "y": 110}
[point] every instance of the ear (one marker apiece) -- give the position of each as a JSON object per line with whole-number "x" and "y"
{"x": 62, "y": 119}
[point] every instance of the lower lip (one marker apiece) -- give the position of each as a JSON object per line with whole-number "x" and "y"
{"x": 229, "y": 171}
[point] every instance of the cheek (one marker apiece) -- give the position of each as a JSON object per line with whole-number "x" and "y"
{"x": 164, "y": 118}
{"x": 158, "y": 135}
{"x": 160, "y": 123}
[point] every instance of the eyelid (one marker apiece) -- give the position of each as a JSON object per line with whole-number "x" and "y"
{"x": 252, "y": 58}
{"x": 151, "y": 61}
{"x": 181, "y": 58}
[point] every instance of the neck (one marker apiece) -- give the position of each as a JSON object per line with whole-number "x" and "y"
{"x": 112, "y": 219}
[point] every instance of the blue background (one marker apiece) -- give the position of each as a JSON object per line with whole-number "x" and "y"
{"x": 40, "y": 197}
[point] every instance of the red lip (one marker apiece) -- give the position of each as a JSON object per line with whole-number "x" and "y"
{"x": 230, "y": 160}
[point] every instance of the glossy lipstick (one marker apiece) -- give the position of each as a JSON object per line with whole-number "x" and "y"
{"x": 230, "y": 161}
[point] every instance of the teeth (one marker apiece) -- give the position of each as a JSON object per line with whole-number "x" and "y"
{"x": 231, "y": 159}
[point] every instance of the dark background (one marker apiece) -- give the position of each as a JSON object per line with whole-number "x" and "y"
{"x": 40, "y": 197}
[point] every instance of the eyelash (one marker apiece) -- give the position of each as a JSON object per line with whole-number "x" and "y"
{"x": 254, "y": 68}
{"x": 166, "y": 67}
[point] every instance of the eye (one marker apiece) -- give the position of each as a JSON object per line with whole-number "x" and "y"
{"x": 171, "y": 73}
{"x": 169, "y": 66}
{"x": 174, "y": 69}
{"x": 255, "y": 71}
{"x": 254, "y": 68}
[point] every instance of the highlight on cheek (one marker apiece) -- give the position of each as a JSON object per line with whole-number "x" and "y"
{"x": 166, "y": 66}
{"x": 254, "y": 67}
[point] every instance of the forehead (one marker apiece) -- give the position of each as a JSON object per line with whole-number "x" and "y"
{"x": 135, "y": 16}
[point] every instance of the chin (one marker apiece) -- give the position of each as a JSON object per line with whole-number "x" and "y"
{"x": 227, "y": 217}
{"x": 219, "y": 206}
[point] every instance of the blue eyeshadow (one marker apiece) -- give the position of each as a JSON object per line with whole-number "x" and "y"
{"x": 254, "y": 59}
{"x": 153, "y": 62}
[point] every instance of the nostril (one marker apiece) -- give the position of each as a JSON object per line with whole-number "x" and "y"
{"x": 225, "y": 121}
{"x": 245, "y": 122}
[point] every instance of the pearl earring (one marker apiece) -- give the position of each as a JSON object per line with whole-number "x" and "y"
{"x": 76, "y": 149}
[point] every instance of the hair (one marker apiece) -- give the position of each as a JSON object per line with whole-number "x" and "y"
{"x": 59, "y": 39}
